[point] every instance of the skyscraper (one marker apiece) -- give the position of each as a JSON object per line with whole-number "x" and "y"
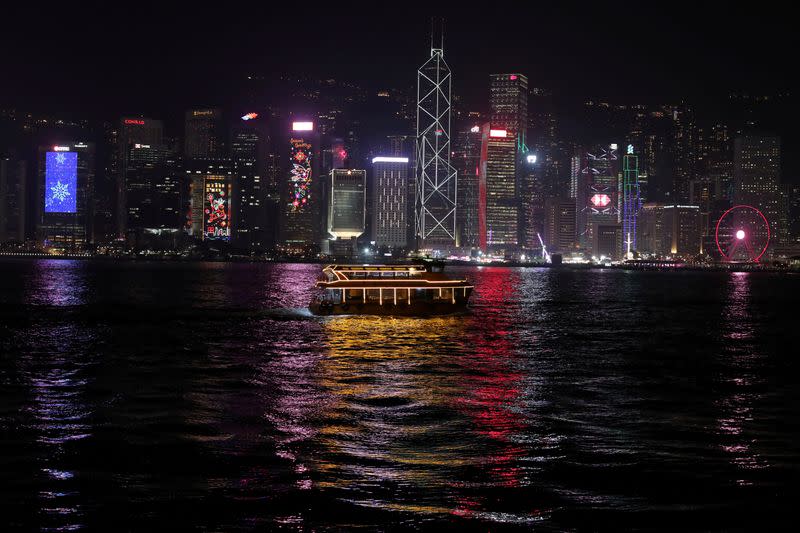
{"x": 466, "y": 160}
{"x": 210, "y": 192}
{"x": 756, "y": 176}
{"x": 390, "y": 210}
{"x": 597, "y": 191}
{"x": 631, "y": 200}
{"x": 300, "y": 228}
{"x": 508, "y": 101}
{"x": 347, "y": 203}
{"x": 13, "y": 200}
{"x": 66, "y": 180}
{"x": 203, "y": 134}
{"x": 248, "y": 147}
{"x": 134, "y": 134}
{"x": 499, "y": 184}
{"x": 559, "y": 224}
{"x": 347, "y": 209}
{"x": 436, "y": 179}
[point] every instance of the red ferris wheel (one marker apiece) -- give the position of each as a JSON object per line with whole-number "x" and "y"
{"x": 742, "y": 234}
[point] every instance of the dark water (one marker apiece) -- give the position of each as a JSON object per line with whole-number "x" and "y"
{"x": 204, "y": 397}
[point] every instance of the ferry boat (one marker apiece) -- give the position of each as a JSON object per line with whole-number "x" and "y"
{"x": 410, "y": 290}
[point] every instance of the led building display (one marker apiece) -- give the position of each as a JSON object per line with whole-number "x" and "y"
{"x": 61, "y": 182}
{"x": 300, "y": 175}
{"x": 216, "y": 211}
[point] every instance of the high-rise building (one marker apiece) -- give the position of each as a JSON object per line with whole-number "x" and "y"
{"x": 559, "y": 224}
{"x": 347, "y": 210}
{"x": 346, "y": 213}
{"x": 534, "y": 188}
{"x": 466, "y": 160}
{"x": 436, "y": 179}
{"x": 302, "y": 209}
{"x": 597, "y": 191}
{"x": 66, "y": 180}
{"x": 203, "y": 134}
{"x": 13, "y": 200}
{"x": 143, "y": 139}
{"x": 248, "y": 148}
{"x": 145, "y": 170}
{"x": 210, "y": 193}
{"x": 756, "y": 175}
{"x": 685, "y": 158}
{"x": 669, "y": 230}
{"x": 631, "y": 201}
{"x": 682, "y": 229}
{"x": 508, "y": 102}
{"x": 499, "y": 182}
{"x": 390, "y": 210}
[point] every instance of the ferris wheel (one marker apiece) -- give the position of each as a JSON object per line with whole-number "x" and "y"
{"x": 742, "y": 234}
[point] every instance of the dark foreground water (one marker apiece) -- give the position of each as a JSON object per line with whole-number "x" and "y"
{"x": 205, "y": 397}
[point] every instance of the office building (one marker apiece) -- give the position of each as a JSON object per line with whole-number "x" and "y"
{"x": 498, "y": 190}
{"x": 390, "y": 208}
{"x": 64, "y": 207}
{"x": 13, "y": 200}
{"x": 559, "y": 224}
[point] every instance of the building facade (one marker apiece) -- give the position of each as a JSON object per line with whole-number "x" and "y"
{"x": 390, "y": 208}
{"x": 66, "y": 182}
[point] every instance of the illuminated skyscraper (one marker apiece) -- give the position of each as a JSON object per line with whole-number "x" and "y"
{"x": 631, "y": 199}
{"x": 300, "y": 228}
{"x": 597, "y": 191}
{"x": 140, "y": 140}
{"x": 346, "y": 212}
{"x": 66, "y": 182}
{"x": 210, "y": 191}
{"x": 498, "y": 190}
{"x": 508, "y": 100}
{"x": 466, "y": 160}
{"x": 559, "y": 224}
{"x": 203, "y": 134}
{"x": 248, "y": 146}
{"x": 756, "y": 176}
{"x": 390, "y": 210}
{"x": 436, "y": 179}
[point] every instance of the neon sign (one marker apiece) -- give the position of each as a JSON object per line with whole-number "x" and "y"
{"x": 382, "y": 159}
{"x": 600, "y": 200}
{"x": 60, "y": 182}
{"x": 498, "y": 133}
{"x": 302, "y": 126}
{"x": 249, "y": 116}
{"x": 216, "y": 209}
{"x": 134, "y": 121}
{"x": 300, "y": 175}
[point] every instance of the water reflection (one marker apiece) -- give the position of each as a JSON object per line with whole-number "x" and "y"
{"x": 387, "y": 424}
{"x": 742, "y": 359}
{"x": 57, "y": 282}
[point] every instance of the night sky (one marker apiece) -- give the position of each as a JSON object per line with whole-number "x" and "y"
{"x": 102, "y": 59}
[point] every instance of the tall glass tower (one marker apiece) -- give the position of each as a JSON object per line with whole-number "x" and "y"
{"x": 436, "y": 179}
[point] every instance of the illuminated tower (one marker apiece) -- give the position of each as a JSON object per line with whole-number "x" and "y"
{"x": 436, "y": 179}
{"x": 497, "y": 190}
{"x": 302, "y": 210}
{"x": 66, "y": 185}
{"x": 631, "y": 199}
